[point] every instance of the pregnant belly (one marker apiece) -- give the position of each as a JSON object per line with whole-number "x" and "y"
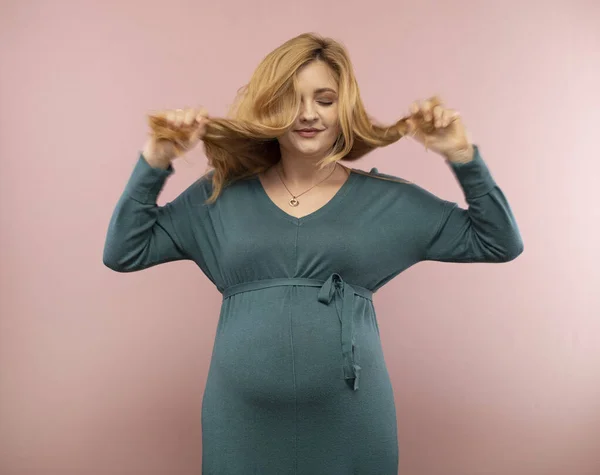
{"x": 278, "y": 345}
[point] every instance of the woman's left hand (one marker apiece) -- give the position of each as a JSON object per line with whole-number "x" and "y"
{"x": 440, "y": 130}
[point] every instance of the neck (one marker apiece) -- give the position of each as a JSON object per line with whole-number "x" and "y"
{"x": 302, "y": 170}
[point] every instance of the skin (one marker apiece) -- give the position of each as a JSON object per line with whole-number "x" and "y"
{"x": 319, "y": 109}
{"x": 317, "y": 88}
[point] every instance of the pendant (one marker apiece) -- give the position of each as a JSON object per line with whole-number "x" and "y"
{"x": 294, "y": 202}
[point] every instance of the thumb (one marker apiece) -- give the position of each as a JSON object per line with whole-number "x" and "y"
{"x": 411, "y": 128}
{"x": 199, "y": 131}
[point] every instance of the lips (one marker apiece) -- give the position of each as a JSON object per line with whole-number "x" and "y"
{"x": 308, "y": 132}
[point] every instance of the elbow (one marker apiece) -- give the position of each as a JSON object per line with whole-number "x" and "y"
{"x": 512, "y": 254}
{"x": 119, "y": 259}
{"x": 113, "y": 261}
{"x": 514, "y": 249}
{"x": 112, "y": 265}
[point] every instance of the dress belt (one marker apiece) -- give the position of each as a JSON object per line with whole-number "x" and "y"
{"x": 335, "y": 290}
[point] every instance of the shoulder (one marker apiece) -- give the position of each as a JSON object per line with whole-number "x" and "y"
{"x": 204, "y": 183}
{"x": 381, "y": 184}
{"x": 388, "y": 189}
{"x": 198, "y": 191}
{"x": 376, "y": 175}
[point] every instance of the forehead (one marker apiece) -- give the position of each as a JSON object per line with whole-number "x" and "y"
{"x": 316, "y": 76}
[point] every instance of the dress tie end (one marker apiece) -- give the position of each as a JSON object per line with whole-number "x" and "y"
{"x": 352, "y": 379}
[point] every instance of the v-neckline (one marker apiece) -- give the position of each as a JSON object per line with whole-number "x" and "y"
{"x": 328, "y": 206}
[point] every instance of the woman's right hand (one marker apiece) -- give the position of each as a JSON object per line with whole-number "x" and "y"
{"x": 178, "y": 132}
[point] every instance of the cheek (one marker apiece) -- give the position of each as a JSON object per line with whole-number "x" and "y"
{"x": 334, "y": 130}
{"x": 332, "y": 135}
{"x": 286, "y": 139}
{"x": 333, "y": 121}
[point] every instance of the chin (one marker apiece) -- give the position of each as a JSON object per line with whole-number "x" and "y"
{"x": 310, "y": 149}
{"x": 312, "y": 152}
{"x": 306, "y": 147}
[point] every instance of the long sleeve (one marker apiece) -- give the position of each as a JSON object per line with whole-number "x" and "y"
{"x": 142, "y": 234}
{"x": 484, "y": 232}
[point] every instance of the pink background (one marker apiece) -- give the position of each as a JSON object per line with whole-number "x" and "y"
{"x": 496, "y": 368}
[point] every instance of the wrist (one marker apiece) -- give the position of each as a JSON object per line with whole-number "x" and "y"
{"x": 156, "y": 163}
{"x": 155, "y": 160}
{"x": 463, "y": 155}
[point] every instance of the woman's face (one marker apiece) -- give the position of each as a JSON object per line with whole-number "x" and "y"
{"x": 317, "y": 126}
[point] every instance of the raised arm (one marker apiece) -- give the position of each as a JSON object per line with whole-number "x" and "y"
{"x": 484, "y": 232}
{"x": 142, "y": 234}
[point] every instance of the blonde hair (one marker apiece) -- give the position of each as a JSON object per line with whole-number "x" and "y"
{"x": 246, "y": 144}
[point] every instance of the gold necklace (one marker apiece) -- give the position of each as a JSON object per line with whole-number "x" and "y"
{"x": 294, "y": 200}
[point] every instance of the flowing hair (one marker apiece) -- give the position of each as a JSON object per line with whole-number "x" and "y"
{"x": 266, "y": 108}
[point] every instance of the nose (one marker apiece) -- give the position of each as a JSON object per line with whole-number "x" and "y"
{"x": 308, "y": 113}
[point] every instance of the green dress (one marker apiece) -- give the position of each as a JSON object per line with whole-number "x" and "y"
{"x": 297, "y": 383}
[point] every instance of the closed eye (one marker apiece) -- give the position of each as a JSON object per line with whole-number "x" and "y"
{"x": 325, "y": 103}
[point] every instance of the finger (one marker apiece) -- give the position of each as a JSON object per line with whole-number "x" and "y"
{"x": 189, "y": 116}
{"x": 196, "y": 134}
{"x": 414, "y": 108}
{"x": 201, "y": 115}
{"x": 444, "y": 118}
{"x": 200, "y": 130}
{"x": 179, "y": 117}
{"x": 170, "y": 116}
{"x": 159, "y": 114}
{"x": 438, "y": 113}
{"x": 436, "y": 101}
{"x": 426, "y": 109}
{"x": 411, "y": 127}
{"x": 450, "y": 117}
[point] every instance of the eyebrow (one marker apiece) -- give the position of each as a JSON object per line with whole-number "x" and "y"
{"x": 324, "y": 89}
